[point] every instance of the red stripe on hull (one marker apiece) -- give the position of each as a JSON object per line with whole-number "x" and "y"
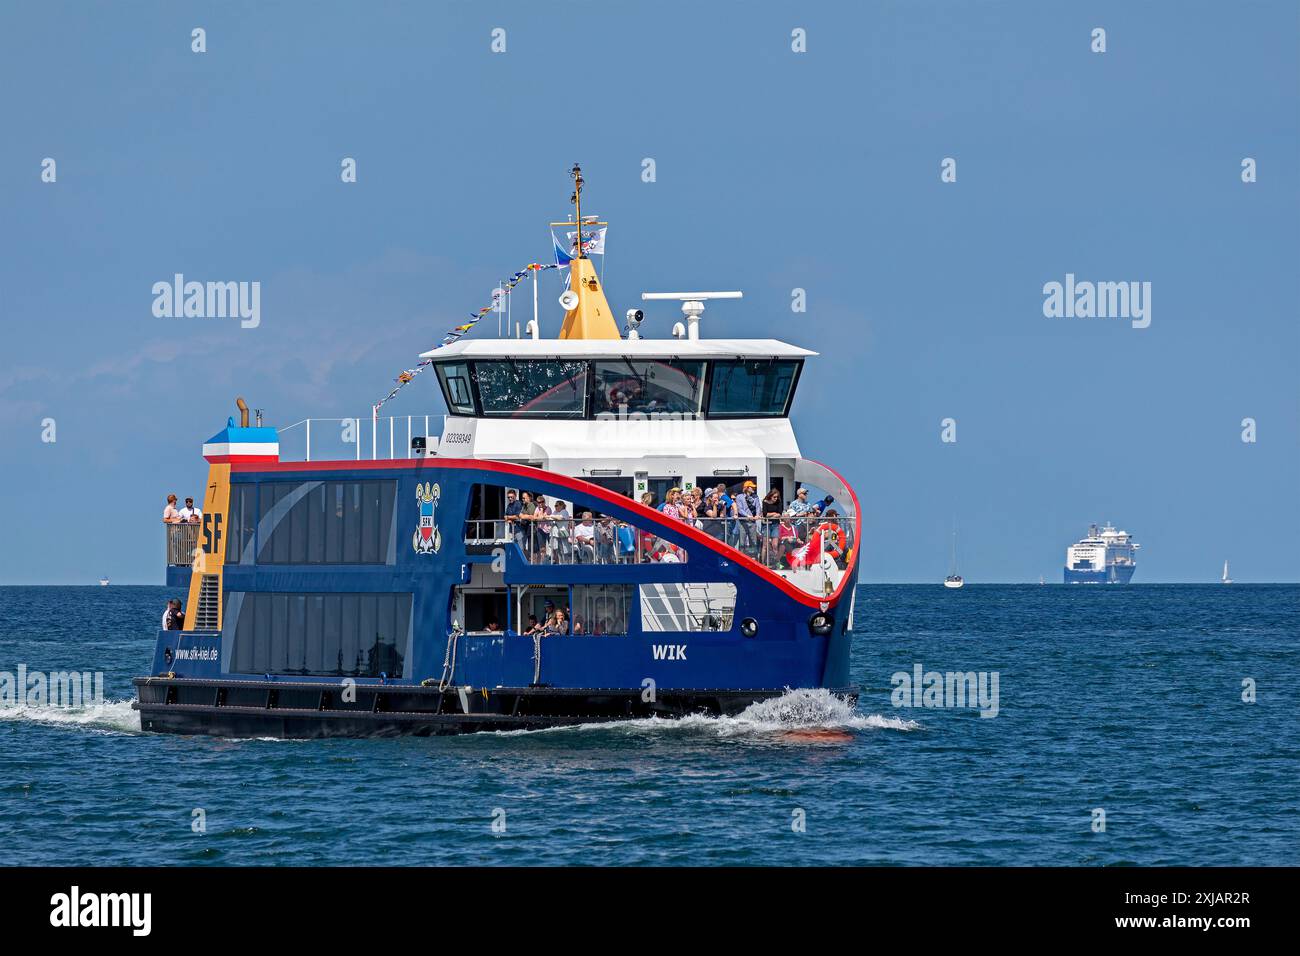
{"x": 594, "y": 492}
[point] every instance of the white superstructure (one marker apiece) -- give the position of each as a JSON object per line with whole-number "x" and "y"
{"x": 1102, "y": 549}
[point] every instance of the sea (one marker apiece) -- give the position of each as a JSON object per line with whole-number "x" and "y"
{"x": 1139, "y": 725}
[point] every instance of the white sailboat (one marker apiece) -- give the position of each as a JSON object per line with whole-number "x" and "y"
{"x": 953, "y": 580}
{"x": 1226, "y": 579}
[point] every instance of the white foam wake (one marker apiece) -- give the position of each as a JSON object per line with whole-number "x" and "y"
{"x": 795, "y": 710}
{"x": 112, "y": 715}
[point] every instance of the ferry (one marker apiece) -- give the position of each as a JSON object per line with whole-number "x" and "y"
{"x": 558, "y": 549}
{"x": 1103, "y": 556}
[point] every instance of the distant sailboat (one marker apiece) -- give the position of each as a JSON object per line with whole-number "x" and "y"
{"x": 1040, "y": 580}
{"x": 1226, "y": 579}
{"x": 953, "y": 580}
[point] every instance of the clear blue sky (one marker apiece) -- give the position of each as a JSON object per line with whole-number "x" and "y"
{"x": 775, "y": 170}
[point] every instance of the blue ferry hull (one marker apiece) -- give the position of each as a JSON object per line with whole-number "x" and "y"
{"x": 1115, "y": 574}
{"x": 452, "y": 683}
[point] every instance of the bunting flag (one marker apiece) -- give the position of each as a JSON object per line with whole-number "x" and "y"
{"x": 474, "y": 317}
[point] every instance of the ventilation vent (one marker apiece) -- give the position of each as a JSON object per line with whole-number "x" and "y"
{"x": 206, "y": 618}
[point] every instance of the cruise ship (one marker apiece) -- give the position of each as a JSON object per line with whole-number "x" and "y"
{"x": 1104, "y": 556}
{"x": 549, "y": 551}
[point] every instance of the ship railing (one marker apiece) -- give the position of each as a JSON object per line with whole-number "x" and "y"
{"x": 790, "y": 541}
{"x": 368, "y": 438}
{"x": 783, "y": 542}
{"x": 605, "y": 541}
{"x": 182, "y": 543}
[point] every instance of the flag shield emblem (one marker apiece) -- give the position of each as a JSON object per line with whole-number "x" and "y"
{"x": 427, "y": 538}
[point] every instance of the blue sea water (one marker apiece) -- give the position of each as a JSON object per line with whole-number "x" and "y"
{"x": 1127, "y": 699}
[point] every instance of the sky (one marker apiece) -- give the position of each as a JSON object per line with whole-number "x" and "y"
{"x": 775, "y": 170}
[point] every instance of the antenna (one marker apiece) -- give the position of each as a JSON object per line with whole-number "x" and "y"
{"x": 576, "y": 199}
{"x": 692, "y": 305}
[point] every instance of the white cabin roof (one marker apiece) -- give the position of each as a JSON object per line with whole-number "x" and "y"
{"x": 618, "y": 348}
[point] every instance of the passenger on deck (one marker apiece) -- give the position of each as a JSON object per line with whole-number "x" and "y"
{"x": 514, "y": 508}
{"x": 525, "y": 526}
{"x": 173, "y": 618}
{"x": 747, "y": 510}
{"x": 606, "y": 541}
{"x": 541, "y": 530}
{"x": 671, "y": 507}
{"x": 771, "y": 510}
{"x": 190, "y": 514}
{"x": 800, "y": 509}
{"x": 561, "y": 534}
{"x": 533, "y": 626}
{"x": 584, "y": 540}
{"x": 170, "y": 514}
{"x": 695, "y": 507}
{"x": 715, "y": 516}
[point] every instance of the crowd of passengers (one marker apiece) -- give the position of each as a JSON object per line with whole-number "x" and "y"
{"x": 768, "y": 528}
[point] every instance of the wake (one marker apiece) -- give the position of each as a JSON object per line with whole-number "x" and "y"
{"x": 799, "y": 714}
{"x": 110, "y": 716}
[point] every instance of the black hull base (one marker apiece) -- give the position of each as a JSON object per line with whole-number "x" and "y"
{"x": 307, "y": 711}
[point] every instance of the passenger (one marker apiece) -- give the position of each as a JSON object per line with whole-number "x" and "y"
{"x": 173, "y": 618}
{"x": 772, "y": 509}
{"x": 190, "y": 514}
{"x": 558, "y": 623}
{"x": 492, "y": 627}
{"x": 728, "y": 513}
{"x": 584, "y": 540}
{"x": 747, "y": 512}
{"x": 671, "y": 505}
{"x": 670, "y": 554}
{"x": 533, "y": 626}
{"x": 607, "y": 541}
{"x": 561, "y": 535}
{"x": 789, "y": 537}
{"x": 514, "y": 508}
{"x": 715, "y": 516}
{"x": 541, "y": 531}
{"x": 694, "y": 507}
{"x": 170, "y": 514}
{"x": 525, "y": 525}
{"x": 800, "y": 509}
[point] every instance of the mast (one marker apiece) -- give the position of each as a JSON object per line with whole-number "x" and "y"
{"x": 590, "y": 317}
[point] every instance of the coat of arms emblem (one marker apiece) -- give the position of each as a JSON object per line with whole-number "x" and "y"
{"x": 427, "y": 538}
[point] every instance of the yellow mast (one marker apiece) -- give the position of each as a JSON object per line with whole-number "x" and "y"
{"x": 591, "y": 317}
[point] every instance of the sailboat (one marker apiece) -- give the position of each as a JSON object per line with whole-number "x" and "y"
{"x": 1226, "y": 579}
{"x": 953, "y": 580}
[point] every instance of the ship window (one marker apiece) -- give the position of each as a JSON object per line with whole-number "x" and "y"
{"x": 242, "y": 523}
{"x": 601, "y": 609}
{"x": 687, "y": 607}
{"x": 550, "y": 387}
{"x": 666, "y": 387}
{"x": 321, "y": 635}
{"x": 454, "y": 377}
{"x": 321, "y": 522}
{"x": 752, "y": 388}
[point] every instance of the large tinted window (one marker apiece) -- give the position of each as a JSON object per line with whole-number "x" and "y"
{"x": 548, "y": 387}
{"x": 321, "y": 635}
{"x": 325, "y": 522}
{"x": 454, "y": 377}
{"x": 751, "y": 388}
{"x": 666, "y": 386}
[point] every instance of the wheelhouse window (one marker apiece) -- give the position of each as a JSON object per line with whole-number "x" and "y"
{"x": 752, "y": 388}
{"x": 454, "y": 377}
{"x": 648, "y": 386}
{"x": 519, "y": 389}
